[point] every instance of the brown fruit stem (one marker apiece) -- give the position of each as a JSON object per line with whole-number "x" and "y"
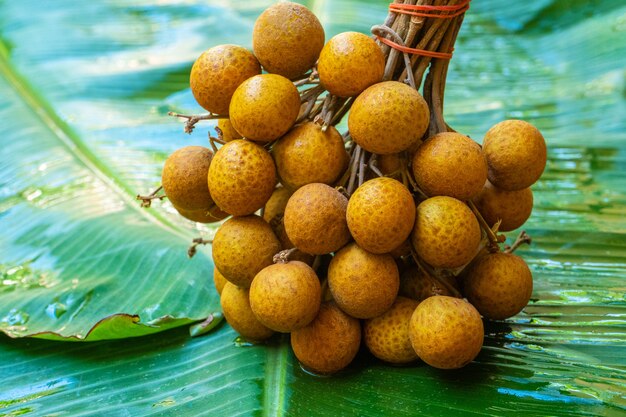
{"x": 191, "y": 251}
{"x": 146, "y": 200}
{"x": 494, "y": 240}
{"x": 522, "y": 238}
{"x": 192, "y": 119}
{"x": 282, "y": 257}
{"x": 429, "y": 271}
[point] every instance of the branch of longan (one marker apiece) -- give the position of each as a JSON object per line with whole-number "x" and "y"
{"x": 343, "y": 109}
{"x": 146, "y": 200}
{"x": 212, "y": 141}
{"x": 381, "y": 30}
{"x": 354, "y": 166}
{"x": 283, "y": 256}
{"x": 311, "y": 78}
{"x": 522, "y": 238}
{"x": 430, "y": 272}
{"x": 192, "y": 119}
{"x": 494, "y": 239}
{"x": 192, "y": 250}
{"x": 373, "y": 165}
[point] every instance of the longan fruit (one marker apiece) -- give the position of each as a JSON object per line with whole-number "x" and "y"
{"x": 209, "y": 215}
{"x": 242, "y": 177}
{"x": 381, "y": 214}
{"x": 450, "y": 164}
{"x": 184, "y": 178}
{"x": 264, "y": 107}
{"x": 306, "y": 155}
{"x": 218, "y": 72}
{"x": 391, "y": 164}
{"x": 218, "y": 280}
{"x": 516, "y": 154}
{"x": 499, "y": 285}
{"x": 235, "y": 303}
{"x": 512, "y": 207}
{"x": 286, "y": 296}
{"x": 242, "y": 247}
{"x": 276, "y": 204}
{"x": 349, "y": 63}
{"x": 329, "y": 343}
{"x": 287, "y": 39}
{"x": 446, "y": 332}
{"x": 388, "y": 117}
{"x": 446, "y": 232}
{"x": 315, "y": 219}
{"x": 363, "y": 284}
{"x": 387, "y": 336}
{"x": 227, "y": 130}
{"x": 417, "y": 285}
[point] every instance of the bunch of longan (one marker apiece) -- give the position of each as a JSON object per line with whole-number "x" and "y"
{"x": 373, "y": 235}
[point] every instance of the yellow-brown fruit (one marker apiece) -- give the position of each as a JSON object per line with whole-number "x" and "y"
{"x": 275, "y": 206}
{"x": 286, "y": 296}
{"x": 227, "y": 130}
{"x": 349, "y": 63}
{"x": 446, "y": 232}
{"x": 306, "y": 155}
{"x": 242, "y": 247}
{"x": 210, "y": 215}
{"x": 450, "y": 164}
{"x": 381, "y": 214}
{"x": 391, "y": 164}
{"x": 315, "y": 219}
{"x": 403, "y": 250}
{"x": 242, "y": 177}
{"x": 512, "y": 207}
{"x": 499, "y": 285}
{"x": 446, "y": 332}
{"x": 387, "y": 336}
{"x": 329, "y": 343}
{"x": 363, "y": 284}
{"x": 417, "y": 285}
{"x": 219, "y": 280}
{"x": 287, "y": 39}
{"x": 237, "y": 312}
{"x": 388, "y": 117}
{"x": 516, "y": 154}
{"x": 184, "y": 178}
{"x": 218, "y": 72}
{"x": 264, "y": 107}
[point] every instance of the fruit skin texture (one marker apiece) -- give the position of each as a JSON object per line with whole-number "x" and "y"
{"x": 286, "y": 296}
{"x": 450, "y": 164}
{"x": 242, "y": 177}
{"x": 499, "y": 285}
{"x": 329, "y": 343}
{"x": 446, "y": 332}
{"x": 184, "y": 178}
{"x": 237, "y": 312}
{"x": 242, "y": 247}
{"x": 381, "y": 214}
{"x": 264, "y": 107}
{"x": 315, "y": 219}
{"x": 349, "y": 63}
{"x": 218, "y": 72}
{"x": 513, "y": 207}
{"x": 387, "y": 336}
{"x": 219, "y": 280}
{"x": 306, "y": 155}
{"x": 210, "y": 215}
{"x": 446, "y": 232}
{"x": 228, "y": 131}
{"x": 287, "y": 39}
{"x": 275, "y": 206}
{"x": 388, "y": 117}
{"x": 363, "y": 284}
{"x": 516, "y": 154}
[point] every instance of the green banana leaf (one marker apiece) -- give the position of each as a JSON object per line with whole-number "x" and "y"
{"x": 84, "y": 92}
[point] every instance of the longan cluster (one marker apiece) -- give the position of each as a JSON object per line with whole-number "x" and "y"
{"x": 376, "y": 234}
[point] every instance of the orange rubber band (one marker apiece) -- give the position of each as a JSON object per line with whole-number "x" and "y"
{"x": 430, "y": 11}
{"x": 406, "y": 49}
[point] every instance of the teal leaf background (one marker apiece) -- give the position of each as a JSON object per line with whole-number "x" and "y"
{"x": 84, "y": 92}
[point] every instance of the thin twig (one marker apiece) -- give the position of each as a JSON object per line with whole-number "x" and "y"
{"x": 192, "y": 119}
{"x": 146, "y": 200}
{"x": 523, "y": 238}
{"x": 191, "y": 251}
